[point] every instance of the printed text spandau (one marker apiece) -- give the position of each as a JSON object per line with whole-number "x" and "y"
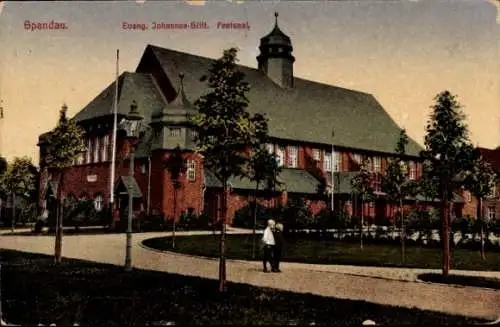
{"x": 191, "y": 25}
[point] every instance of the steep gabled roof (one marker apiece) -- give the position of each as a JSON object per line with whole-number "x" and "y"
{"x": 131, "y": 86}
{"x": 307, "y": 112}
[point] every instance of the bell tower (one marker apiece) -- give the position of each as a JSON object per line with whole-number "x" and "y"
{"x": 275, "y": 58}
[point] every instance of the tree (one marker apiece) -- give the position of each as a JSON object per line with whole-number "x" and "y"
{"x": 176, "y": 166}
{"x": 19, "y": 180}
{"x": 261, "y": 168}
{"x": 396, "y": 185}
{"x": 450, "y": 154}
{"x": 65, "y": 144}
{"x": 480, "y": 182}
{"x": 362, "y": 184}
{"x": 226, "y": 131}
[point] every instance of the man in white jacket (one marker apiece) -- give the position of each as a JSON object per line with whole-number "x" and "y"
{"x": 269, "y": 243}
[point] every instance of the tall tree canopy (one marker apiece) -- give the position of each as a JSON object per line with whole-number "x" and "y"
{"x": 450, "y": 154}
{"x": 226, "y": 130}
{"x": 20, "y": 178}
{"x": 65, "y": 142}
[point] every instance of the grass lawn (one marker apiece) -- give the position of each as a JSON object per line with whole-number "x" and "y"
{"x": 332, "y": 252}
{"x": 34, "y": 291}
{"x": 493, "y": 283}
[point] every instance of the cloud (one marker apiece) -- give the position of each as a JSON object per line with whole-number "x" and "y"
{"x": 195, "y": 2}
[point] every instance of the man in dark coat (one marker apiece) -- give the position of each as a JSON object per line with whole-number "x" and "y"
{"x": 278, "y": 247}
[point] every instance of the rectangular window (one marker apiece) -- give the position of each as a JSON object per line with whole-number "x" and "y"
{"x": 270, "y": 148}
{"x": 191, "y": 170}
{"x": 491, "y": 213}
{"x": 79, "y": 159}
{"x": 175, "y": 132}
{"x": 292, "y": 156}
{"x": 493, "y": 192}
{"x": 96, "y": 150}
{"x": 105, "y": 148}
{"x": 413, "y": 170}
{"x": 327, "y": 162}
{"x": 88, "y": 157}
{"x": 316, "y": 154}
{"x": 357, "y": 158}
{"x": 280, "y": 155}
{"x": 336, "y": 161}
{"x": 193, "y": 133}
{"x": 377, "y": 164}
{"x": 143, "y": 168}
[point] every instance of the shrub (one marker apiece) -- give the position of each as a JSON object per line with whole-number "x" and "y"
{"x": 154, "y": 223}
{"x": 243, "y": 218}
{"x": 189, "y": 220}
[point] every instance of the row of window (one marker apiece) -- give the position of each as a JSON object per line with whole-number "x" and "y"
{"x": 97, "y": 151}
{"x": 329, "y": 162}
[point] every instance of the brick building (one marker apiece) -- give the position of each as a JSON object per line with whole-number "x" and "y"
{"x": 491, "y": 204}
{"x": 301, "y": 113}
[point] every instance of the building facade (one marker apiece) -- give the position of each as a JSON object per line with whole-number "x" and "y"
{"x": 491, "y": 204}
{"x": 302, "y": 116}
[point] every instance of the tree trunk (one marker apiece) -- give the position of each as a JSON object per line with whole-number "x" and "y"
{"x": 446, "y": 232}
{"x": 480, "y": 216}
{"x": 254, "y": 220}
{"x": 403, "y": 235}
{"x": 59, "y": 222}
{"x": 222, "y": 260}
{"x": 175, "y": 216}
{"x": 13, "y": 222}
{"x": 361, "y": 225}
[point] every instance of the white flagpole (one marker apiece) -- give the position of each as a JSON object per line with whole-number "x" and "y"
{"x": 115, "y": 127}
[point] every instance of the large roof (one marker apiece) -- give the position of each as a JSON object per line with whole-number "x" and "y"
{"x": 131, "y": 86}
{"x": 307, "y": 112}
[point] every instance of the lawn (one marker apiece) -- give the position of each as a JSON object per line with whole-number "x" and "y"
{"x": 475, "y": 281}
{"x": 34, "y": 291}
{"x": 332, "y": 252}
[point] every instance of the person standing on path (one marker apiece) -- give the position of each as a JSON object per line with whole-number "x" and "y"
{"x": 268, "y": 242}
{"x": 278, "y": 247}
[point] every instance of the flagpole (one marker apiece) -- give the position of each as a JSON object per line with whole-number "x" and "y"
{"x": 333, "y": 172}
{"x": 113, "y": 151}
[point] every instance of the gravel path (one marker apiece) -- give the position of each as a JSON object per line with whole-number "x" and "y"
{"x": 393, "y": 286}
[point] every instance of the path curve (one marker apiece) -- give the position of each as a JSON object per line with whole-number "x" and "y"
{"x": 346, "y": 282}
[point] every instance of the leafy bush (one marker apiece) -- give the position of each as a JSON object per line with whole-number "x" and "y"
{"x": 243, "y": 218}
{"x": 154, "y": 223}
{"x": 189, "y": 220}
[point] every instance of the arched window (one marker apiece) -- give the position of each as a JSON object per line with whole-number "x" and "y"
{"x": 98, "y": 202}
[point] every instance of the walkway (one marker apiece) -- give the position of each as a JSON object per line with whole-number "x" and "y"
{"x": 393, "y": 286}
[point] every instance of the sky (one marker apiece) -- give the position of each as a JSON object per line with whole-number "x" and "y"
{"x": 403, "y": 52}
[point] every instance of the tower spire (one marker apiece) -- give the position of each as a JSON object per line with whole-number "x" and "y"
{"x": 276, "y": 14}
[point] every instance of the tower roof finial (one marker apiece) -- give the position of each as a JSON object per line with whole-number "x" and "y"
{"x": 276, "y": 14}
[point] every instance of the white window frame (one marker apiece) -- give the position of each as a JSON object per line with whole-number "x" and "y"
{"x": 96, "y": 150}
{"x": 79, "y": 159}
{"x": 377, "y": 164}
{"x": 174, "y": 131}
{"x": 191, "y": 170}
{"x": 98, "y": 202}
{"x": 293, "y": 156}
{"x": 88, "y": 154}
{"x": 358, "y": 158}
{"x": 280, "y": 155}
{"x": 327, "y": 161}
{"x": 193, "y": 133}
{"x": 413, "y": 170}
{"x": 492, "y": 213}
{"x": 336, "y": 161}
{"x": 316, "y": 154}
{"x": 143, "y": 168}
{"x": 105, "y": 148}
{"x": 270, "y": 148}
